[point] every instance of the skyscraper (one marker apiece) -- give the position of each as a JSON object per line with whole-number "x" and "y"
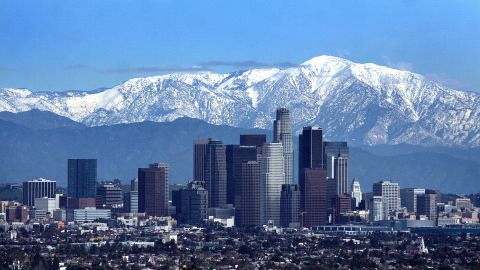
{"x": 272, "y": 177}
{"x": 130, "y": 202}
{"x": 253, "y": 139}
{"x": 310, "y": 145}
{"x": 290, "y": 206}
{"x": 191, "y": 203}
{"x": 109, "y": 195}
{"x": 82, "y": 178}
{"x": 336, "y": 163}
{"x": 409, "y": 197}
{"x": 235, "y": 156}
{"x": 356, "y": 192}
{"x": 391, "y": 194}
{"x": 199, "y": 160}
{"x": 210, "y": 168}
{"x": 427, "y": 205}
{"x": 38, "y": 188}
{"x": 282, "y": 132}
{"x": 377, "y": 206}
{"x": 341, "y": 205}
{"x": 249, "y": 208}
{"x": 314, "y": 193}
{"x": 153, "y": 190}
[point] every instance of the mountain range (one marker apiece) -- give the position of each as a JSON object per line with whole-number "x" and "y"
{"x": 37, "y": 144}
{"x": 365, "y": 104}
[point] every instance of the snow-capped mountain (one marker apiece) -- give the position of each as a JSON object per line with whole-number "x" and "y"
{"x": 363, "y": 103}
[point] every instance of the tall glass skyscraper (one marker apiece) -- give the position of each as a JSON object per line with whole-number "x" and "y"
{"x": 272, "y": 177}
{"x": 282, "y": 132}
{"x": 82, "y": 178}
{"x": 211, "y": 170}
{"x": 153, "y": 190}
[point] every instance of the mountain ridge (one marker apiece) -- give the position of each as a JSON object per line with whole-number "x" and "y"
{"x": 30, "y": 152}
{"x": 362, "y": 103}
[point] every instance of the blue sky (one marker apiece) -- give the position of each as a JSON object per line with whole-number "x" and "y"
{"x": 84, "y": 45}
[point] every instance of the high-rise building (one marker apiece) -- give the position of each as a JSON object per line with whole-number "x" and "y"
{"x": 253, "y": 139}
{"x": 199, "y": 160}
{"x": 377, "y": 207}
{"x": 235, "y": 156}
{"x": 409, "y": 197}
{"x": 38, "y": 188}
{"x": 310, "y": 145}
{"x": 153, "y": 190}
{"x": 356, "y": 192}
{"x": 90, "y": 214}
{"x": 336, "y": 163}
{"x": 134, "y": 184}
{"x": 130, "y": 202}
{"x": 341, "y": 205}
{"x": 314, "y": 192}
{"x": 272, "y": 177}
{"x": 82, "y": 178}
{"x": 282, "y": 132}
{"x": 427, "y": 205}
{"x": 16, "y": 213}
{"x": 249, "y": 209}
{"x": 211, "y": 170}
{"x": 391, "y": 194}
{"x": 47, "y": 204}
{"x": 191, "y": 203}
{"x": 109, "y": 195}
{"x": 290, "y": 206}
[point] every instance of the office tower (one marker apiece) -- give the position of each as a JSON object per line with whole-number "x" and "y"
{"x": 80, "y": 203}
{"x": 16, "y": 213}
{"x": 463, "y": 203}
{"x": 253, "y": 139}
{"x": 341, "y": 205}
{"x": 310, "y": 145}
{"x": 236, "y": 155}
{"x": 62, "y": 201}
{"x": 90, "y": 214}
{"x": 82, "y": 178}
{"x": 390, "y": 192}
{"x": 191, "y": 203}
{"x": 211, "y": 170}
{"x": 249, "y": 209}
{"x": 282, "y": 132}
{"x": 290, "y": 206}
{"x": 427, "y": 205}
{"x": 109, "y": 195}
{"x": 38, "y": 188}
{"x": 130, "y": 202}
{"x": 356, "y": 192}
{"x": 153, "y": 190}
{"x": 336, "y": 162}
{"x": 47, "y": 204}
{"x": 272, "y": 177}
{"x": 409, "y": 196}
{"x": 377, "y": 207}
{"x": 314, "y": 191}
{"x": 134, "y": 184}
{"x": 199, "y": 160}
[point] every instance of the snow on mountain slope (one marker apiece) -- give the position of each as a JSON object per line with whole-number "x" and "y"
{"x": 363, "y": 103}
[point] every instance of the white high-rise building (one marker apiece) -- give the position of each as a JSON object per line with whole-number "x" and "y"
{"x": 282, "y": 132}
{"x": 377, "y": 209}
{"x": 390, "y": 192}
{"x": 356, "y": 191}
{"x": 47, "y": 204}
{"x": 272, "y": 177}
